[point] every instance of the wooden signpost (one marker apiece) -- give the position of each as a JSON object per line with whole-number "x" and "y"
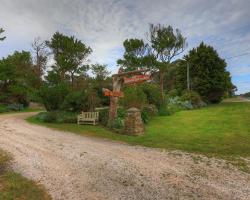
{"x": 127, "y": 78}
{"x": 108, "y": 93}
{"x": 136, "y": 79}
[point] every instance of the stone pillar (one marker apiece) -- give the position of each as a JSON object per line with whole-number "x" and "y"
{"x": 133, "y": 122}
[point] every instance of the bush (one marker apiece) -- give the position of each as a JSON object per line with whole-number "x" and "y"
{"x": 121, "y": 112}
{"x": 57, "y": 117}
{"x": 53, "y": 96}
{"x": 215, "y": 96}
{"x": 118, "y": 123}
{"x": 145, "y": 116}
{"x": 173, "y": 93}
{"x": 74, "y": 101}
{"x": 152, "y": 93}
{"x": 15, "y": 107}
{"x": 66, "y": 117}
{"x": 48, "y": 117}
{"x": 148, "y": 112}
{"x": 133, "y": 97}
{"x": 104, "y": 116}
{"x": 3, "y": 108}
{"x": 165, "y": 111}
{"x": 192, "y": 97}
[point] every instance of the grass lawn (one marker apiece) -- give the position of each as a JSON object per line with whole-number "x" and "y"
{"x": 220, "y": 130}
{"x": 13, "y": 186}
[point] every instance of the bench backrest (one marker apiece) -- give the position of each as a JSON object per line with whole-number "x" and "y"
{"x": 90, "y": 115}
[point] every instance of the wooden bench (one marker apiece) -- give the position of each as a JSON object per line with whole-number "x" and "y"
{"x": 88, "y": 118}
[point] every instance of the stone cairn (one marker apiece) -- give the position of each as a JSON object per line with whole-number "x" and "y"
{"x": 133, "y": 122}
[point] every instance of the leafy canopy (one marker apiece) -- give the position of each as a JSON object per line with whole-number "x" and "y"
{"x": 208, "y": 73}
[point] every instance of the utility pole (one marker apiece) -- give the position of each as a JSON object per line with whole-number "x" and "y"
{"x": 188, "y": 77}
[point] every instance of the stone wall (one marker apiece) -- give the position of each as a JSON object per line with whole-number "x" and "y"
{"x": 133, "y": 122}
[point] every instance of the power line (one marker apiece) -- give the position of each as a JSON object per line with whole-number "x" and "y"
{"x": 238, "y": 55}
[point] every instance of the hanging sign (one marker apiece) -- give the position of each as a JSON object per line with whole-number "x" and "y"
{"x": 109, "y": 93}
{"x": 136, "y": 79}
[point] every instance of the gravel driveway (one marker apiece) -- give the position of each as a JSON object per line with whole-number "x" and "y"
{"x": 77, "y": 167}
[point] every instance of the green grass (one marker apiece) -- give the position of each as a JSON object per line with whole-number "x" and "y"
{"x": 13, "y": 186}
{"x": 221, "y": 130}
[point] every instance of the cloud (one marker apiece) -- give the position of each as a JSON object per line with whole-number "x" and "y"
{"x": 105, "y": 24}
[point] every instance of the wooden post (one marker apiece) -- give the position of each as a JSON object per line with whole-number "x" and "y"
{"x": 117, "y": 82}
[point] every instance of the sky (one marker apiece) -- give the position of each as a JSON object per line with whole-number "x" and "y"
{"x": 105, "y": 24}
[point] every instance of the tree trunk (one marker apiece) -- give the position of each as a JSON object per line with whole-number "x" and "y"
{"x": 72, "y": 81}
{"x": 114, "y": 101}
{"x": 162, "y": 74}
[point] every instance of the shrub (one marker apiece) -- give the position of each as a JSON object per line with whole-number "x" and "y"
{"x": 148, "y": 112}
{"x": 152, "y": 93}
{"x": 192, "y": 97}
{"x": 165, "y": 111}
{"x": 66, "y": 117}
{"x": 173, "y": 93}
{"x": 104, "y": 116}
{"x": 53, "y": 96}
{"x": 57, "y": 117}
{"x": 74, "y": 101}
{"x": 133, "y": 97}
{"x": 121, "y": 112}
{"x": 48, "y": 117}
{"x": 3, "y": 108}
{"x": 15, "y": 107}
{"x": 151, "y": 110}
{"x": 145, "y": 116}
{"x": 118, "y": 123}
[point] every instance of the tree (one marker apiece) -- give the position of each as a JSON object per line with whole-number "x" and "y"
{"x": 165, "y": 44}
{"x": 136, "y": 56}
{"x": 1, "y": 31}
{"x": 70, "y": 55}
{"x": 39, "y": 48}
{"x": 100, "y": 72}
{"x": 16, "y": 78}
{"x": 208, "y": 75}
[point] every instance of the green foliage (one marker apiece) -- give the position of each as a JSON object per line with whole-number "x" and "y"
{"x": 74, "y": 102}
{"x": 166, "y": 42}
{"x": 145, "y": 116}
{"x": 136, "y": 55}
{"x": 192, "y": 97}
{"x": 148, "y": 112}
{"x": 118, "y": 123}
{"x": 3, "y": 108}
{"x": 165, "y": 111}
{"x": 133, "y": 97}
{"x": 69, "y": 54}
{"x": 15, "y": 107}
{"x": 121, "y": 112}
{"x": 48, "y": 117}
{"x": 16, "y": 78}
{"x": 53, "y": 96}
{"x": 173, "y": 93}
{"x": 57, "y": 117}
{"x": 104, "y": 116}
{"x": 208, "y": 74}
{"x": 100, "y": 72}
{"x": 152, "y": 93}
